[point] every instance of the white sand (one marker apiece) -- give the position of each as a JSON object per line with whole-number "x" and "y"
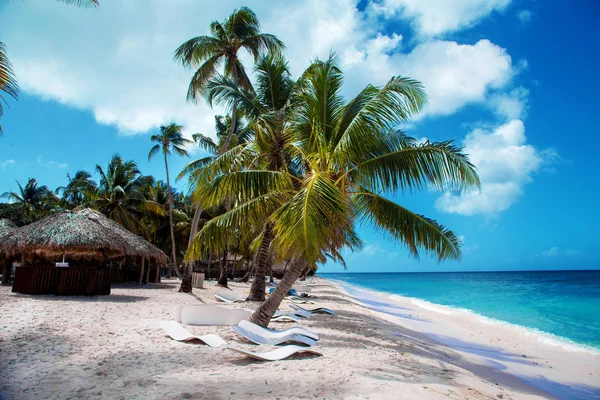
{"x": 112, "y": 347}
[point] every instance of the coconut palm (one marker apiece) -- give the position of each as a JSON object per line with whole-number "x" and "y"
{"x": 170, "y": 139}
{"x": 120, "y": 196}
{"x": 8, "y": 82}
{"x": 78, "y": 191}
{"x": 32, "y": 197}
{"x": 347, "y": 154}
{"x": 194, "y": 170}
{"x": 241, "y": 30}
{"x": 267, "y": 108}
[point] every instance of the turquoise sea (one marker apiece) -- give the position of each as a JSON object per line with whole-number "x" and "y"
{"x": 565, "y": 304}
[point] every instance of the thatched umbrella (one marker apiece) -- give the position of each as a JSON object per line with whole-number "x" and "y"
{"x": 138, "y": 246}
{"x": 64, "y": 233}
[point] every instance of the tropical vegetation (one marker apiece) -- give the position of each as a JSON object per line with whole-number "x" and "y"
{"x": 296, "y": 168}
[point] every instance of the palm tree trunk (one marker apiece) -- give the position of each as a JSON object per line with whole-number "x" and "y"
{"x": 257, "y": 291}
{"x": 223, "y": 276}
{"x": 263, "y": 314}
{"x": 173, "y": 252}
{"x": 186, "y": 280}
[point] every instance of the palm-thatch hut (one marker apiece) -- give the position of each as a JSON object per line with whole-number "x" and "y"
{"x": 79, "y": 235}
{"x": 6, "y": 227}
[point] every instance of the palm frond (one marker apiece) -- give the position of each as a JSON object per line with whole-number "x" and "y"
{"x": 415, "y": 231}
{"x": 442, "y": 166}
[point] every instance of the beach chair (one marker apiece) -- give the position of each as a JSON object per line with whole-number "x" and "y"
{"x": 299, "y": 300}
{"x": 230, "y": 297}
{"x": 208, "y": 314}
{"x": 320, "y": 310}
{"x": 285, "y": 317}
{"x": 276, "y": 355}
{"x": 179, "y": 333}
{"x": 260, "y": 337}
{"x": 297, "y": 330}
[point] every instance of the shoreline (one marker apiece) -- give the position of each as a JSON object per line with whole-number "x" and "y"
{"x": 543, "y": 336}
{"x": 450, "y": 326}
{"x": 112, "y": 347}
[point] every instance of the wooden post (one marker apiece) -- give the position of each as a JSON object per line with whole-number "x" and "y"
{"x": 141, "y": 278}
{"x": 147, "y": 280}
{"x": 157, "y": 276}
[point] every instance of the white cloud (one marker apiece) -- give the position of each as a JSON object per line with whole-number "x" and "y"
{"x": 8, "y": 163}
{"x": 505, "y": 165}
{"x": 119, "y": 64}
{"x": 436, "y": 17}
{"x": 524, "y": 16}
{"x": 50, "y": 164}
{"x": 510, "y": 105}
{"x": 373, "y": 249}
{"x": 557, "y": 252}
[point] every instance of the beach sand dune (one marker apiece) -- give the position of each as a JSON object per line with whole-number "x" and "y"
{"x": 112, "y": 347}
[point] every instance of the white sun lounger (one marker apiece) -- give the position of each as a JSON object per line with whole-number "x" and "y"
{"x": 298, "y": 330}
{"x": 300, "y": 300}
{"x": 321, "y": 310}
{"x": 285, "y": 317}
{"x": 269, "y": 338}
{"x": 230, "y": 297}
{"x": 302, "y": 313}
{"x": 208, "y": 314}
{"x": 179, "y": 333}
{"x": 276, "y": 355}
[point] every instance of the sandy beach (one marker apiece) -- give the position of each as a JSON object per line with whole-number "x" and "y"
{"x": 112, "y": 347}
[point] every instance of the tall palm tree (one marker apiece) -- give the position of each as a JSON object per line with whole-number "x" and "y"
{"x": 267, "y": 108}
{"x": 241, "y": 30}
{"x": 8, "y": 81}
{"x": 346, "y": 155}
{"x": 170, "y": 139}
{"x": 120, "y": 195}
{"x": 78, "y": 191}
{"x": 32, "y": 197}
{"x": 194, "y": 171}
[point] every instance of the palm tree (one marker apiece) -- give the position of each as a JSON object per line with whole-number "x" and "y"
{"x": 346, "y": 154}
{"x": 120, "y": 195}
{"x": 194, "y": 170}
{"x": 241, "y": 30}
{"x": 32, "y": 197}
{"x": 79, "y": 189}
{"x": 267, "y": 107}
{"x": 170, "y": 139}
{"x": 8, "y": 82}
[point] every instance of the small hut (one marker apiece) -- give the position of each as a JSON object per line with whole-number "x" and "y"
{"x": 6, "y": 227}
{"x": 83, "y": 236}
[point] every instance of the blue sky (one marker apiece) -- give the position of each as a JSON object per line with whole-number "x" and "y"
{"x": 513, "y": 81}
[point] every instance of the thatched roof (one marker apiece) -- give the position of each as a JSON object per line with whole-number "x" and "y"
{"x": 81, "y": 233}
{"x": 138, "y": 245}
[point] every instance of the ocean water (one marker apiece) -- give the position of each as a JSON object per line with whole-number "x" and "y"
{"x": 565, "y": 304}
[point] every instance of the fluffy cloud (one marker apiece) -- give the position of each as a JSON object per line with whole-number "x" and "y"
{"x": 436, "y": 17}
{"x": 505, "y": 165}
{"x": 510, "y": 105}
{"x": 126, "y": 77}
